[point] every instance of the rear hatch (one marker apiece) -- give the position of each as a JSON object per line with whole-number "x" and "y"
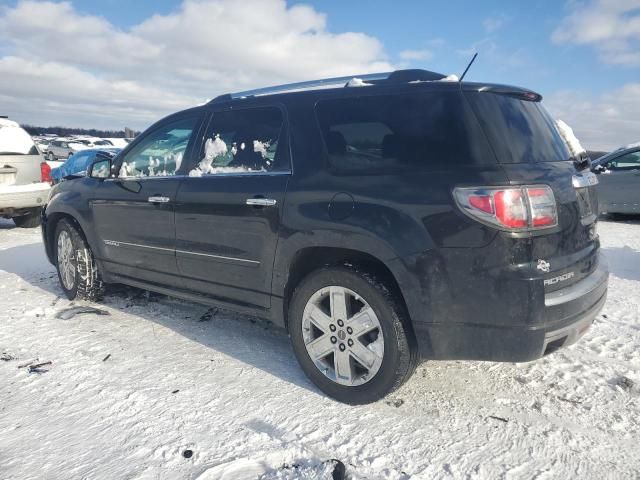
{"x": 532, "y": 152}
{"x": 19, "y": 157}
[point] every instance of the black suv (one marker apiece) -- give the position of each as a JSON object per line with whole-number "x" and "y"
{"x": 391, "y": 218}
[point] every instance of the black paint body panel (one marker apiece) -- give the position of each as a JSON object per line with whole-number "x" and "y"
{"x": 470, "y": 289}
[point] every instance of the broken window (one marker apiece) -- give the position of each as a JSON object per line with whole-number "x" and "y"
{"x": 242, "y": 141}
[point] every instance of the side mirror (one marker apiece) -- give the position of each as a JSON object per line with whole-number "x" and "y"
{"x": 100, "y": 169}
{"x": 599, "y": 169}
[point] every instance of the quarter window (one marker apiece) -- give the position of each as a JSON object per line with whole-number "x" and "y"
{"x": 161, "y": 152}
{"x": 385, "y": 134}
{"x": 243, "y": 141}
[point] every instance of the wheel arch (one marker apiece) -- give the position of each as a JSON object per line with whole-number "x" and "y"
{"x": 53, "y": 219}
{"x": 309, "y": 259}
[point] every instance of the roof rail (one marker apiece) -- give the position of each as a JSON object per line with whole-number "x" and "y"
{"x": 398, "y": 76}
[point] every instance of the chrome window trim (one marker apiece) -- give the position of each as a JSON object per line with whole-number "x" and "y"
{"x": 210, "y": 175}
{"x": 219, "y": 256}
{"x": 117, "y": 243}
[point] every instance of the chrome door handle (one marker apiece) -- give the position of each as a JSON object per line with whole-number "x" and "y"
{"x": 158, "y": 199}
{"x": 261, "y": 202}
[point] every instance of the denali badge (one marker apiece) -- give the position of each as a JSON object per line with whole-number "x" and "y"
{"x": 561, "y": 278}
{"x": 543, "y": 265}
{"x": 113, "y": 243}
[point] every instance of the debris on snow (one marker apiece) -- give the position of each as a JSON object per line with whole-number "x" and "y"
{"x": 398, "y": 402}
{"x": 68, "y": 313}
{"x": 568, "y": 400}
{"x": 106, "y": 358}
{"x": 37, "y": 368}
{"x": 6, "y": 357}
{"x": 330, "y": 469}
{"x": 358, "y": 82}
{"x": 187, "y": 453}
{"x": 566, "y": 132}
{"x": 208, "y": 315}
{"x": 29, "y": 363}
{"x": 499, "y": 418}
{"x": 175, "y": 391}
{"x": 624, "y": 383}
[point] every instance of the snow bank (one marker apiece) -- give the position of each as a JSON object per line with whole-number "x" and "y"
{"x": 566, "y": 132}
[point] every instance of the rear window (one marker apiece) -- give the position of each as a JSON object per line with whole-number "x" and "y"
{"x": 520, "y": 131}
{"x": 15, "y": 141}
{"x": 380, "y": 134}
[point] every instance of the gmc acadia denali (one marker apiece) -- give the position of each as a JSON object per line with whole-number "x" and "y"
{"x": 381, "y": 220}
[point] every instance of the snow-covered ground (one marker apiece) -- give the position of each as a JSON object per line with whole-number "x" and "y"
{"x": 127, "y": 394}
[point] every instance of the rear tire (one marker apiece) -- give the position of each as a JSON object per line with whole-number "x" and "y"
{"x": 77, "y": 269}
{"x": 326, "y": 344}
{"x": 30, "y": 220}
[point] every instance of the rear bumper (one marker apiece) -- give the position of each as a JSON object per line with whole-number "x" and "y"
{"x": 16, "y": 197}
{"x": 567, "y": 315}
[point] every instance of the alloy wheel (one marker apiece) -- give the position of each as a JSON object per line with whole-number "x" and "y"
{"x": 343, "y": 336}
{"x": 66, "y": 260}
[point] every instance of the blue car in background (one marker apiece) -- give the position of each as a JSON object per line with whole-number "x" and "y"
{"x": 78, "y": 163}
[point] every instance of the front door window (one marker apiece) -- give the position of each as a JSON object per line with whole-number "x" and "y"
{"x": 160, "y": 154}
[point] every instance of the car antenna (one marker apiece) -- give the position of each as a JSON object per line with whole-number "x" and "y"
{"x": 468, "y": 67}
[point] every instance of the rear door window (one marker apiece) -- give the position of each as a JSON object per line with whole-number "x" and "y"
{"x": 243, "y": 141}
{"x": 387, "y": 133}
{"x": 520, "y": 131}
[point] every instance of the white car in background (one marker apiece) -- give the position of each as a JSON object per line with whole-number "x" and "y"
{"x": 25, "y": 178}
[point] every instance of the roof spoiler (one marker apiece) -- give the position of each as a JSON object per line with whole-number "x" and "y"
{"x": 513, "y": 92}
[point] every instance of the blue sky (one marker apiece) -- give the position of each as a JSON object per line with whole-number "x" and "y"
{"x": 583, "y": 56}
{"x": 525, "y": 54}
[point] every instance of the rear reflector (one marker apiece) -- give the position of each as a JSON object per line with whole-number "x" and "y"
{"x": 517, "y": 209}
{"x": 45, "y": 173}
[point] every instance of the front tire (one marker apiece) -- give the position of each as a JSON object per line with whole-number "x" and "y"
{"x": 30, "y": 220}
{"x": 350, "y": 335}
{"x": 51, "y": 157}
{"x": 76, "y": 265}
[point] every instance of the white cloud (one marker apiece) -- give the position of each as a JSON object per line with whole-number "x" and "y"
{"x": 494, "y": 22}
{"x": 612, "y": 27}
{"x": 416, "y": 55}
{"x": 603, "y": 122}
{"x": 67, "y": 67}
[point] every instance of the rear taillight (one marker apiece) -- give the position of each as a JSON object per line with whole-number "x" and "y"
{"x": 517, "y": 209}
{"x": 45, "y": 173}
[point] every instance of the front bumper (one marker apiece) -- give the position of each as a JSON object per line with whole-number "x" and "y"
{"x": 568, "y": 314}
{"x": 15, "y": 197}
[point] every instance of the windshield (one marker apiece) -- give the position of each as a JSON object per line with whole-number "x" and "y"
{"x": 520, "y": 131}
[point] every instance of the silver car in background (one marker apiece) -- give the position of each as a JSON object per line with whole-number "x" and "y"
{"x": 619, "y": 176}
{"x": 63, "y": 148}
